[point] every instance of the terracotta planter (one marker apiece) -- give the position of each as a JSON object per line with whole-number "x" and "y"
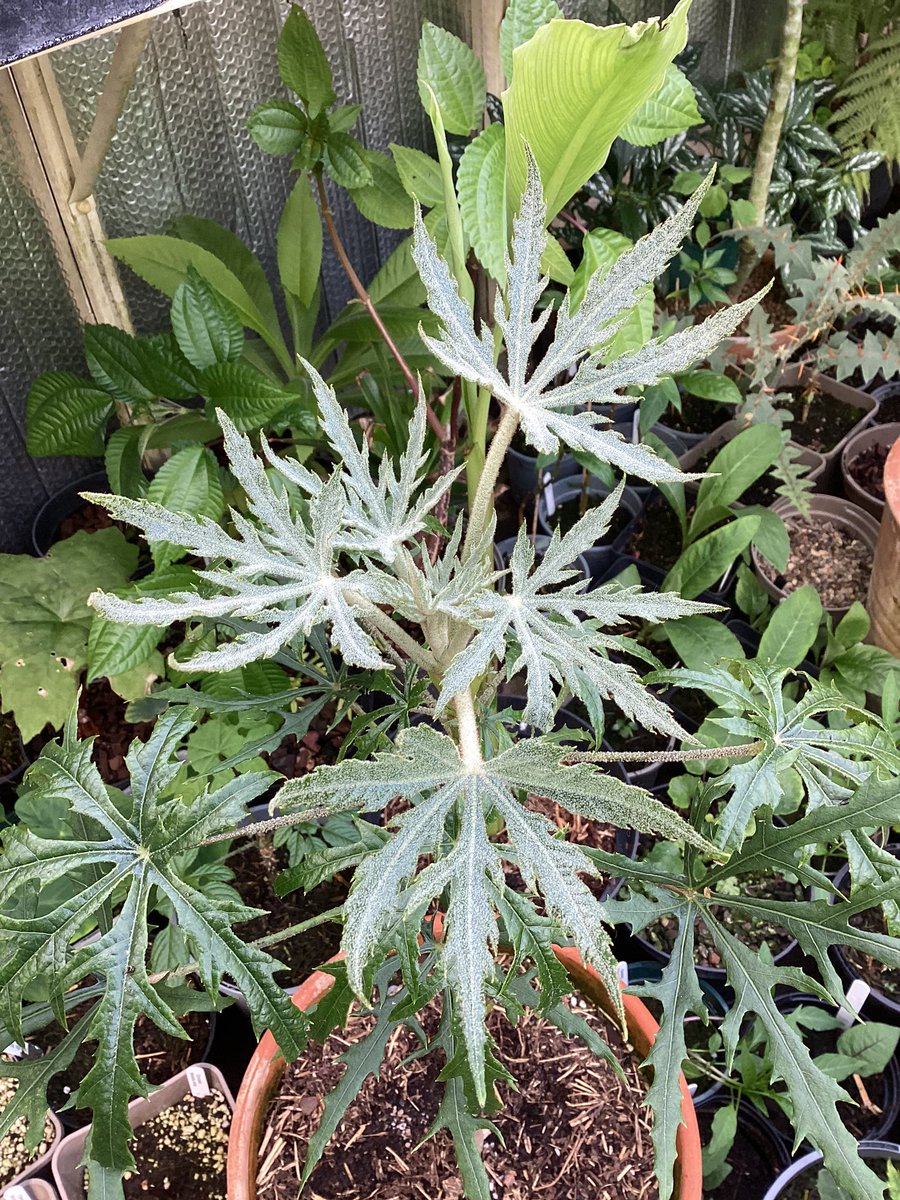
{"x": 839, "y": 512}
{"x": 68, "y": 1174}
{"x": 811, "y": 459}
{"x": 876, "y": 435}
{"x": 793, "y": 376}
{"x": 884, "y": 586}
{"x": 267, "y": 1065}
{"x": 739, "y": 348}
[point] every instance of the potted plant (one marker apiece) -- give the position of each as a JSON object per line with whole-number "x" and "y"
{"x": 180, "y": 1141}
{"x": 345, "y": 556}
{"x": 28, "y": 1141}
{"x": 862, "y": 466}
{"x": 806, "y": 1178}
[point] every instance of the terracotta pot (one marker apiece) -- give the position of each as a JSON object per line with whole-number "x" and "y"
{"x": 267, "y": 1065}
{"x": 794, "y": 375}
{"x": 839, "y": 512}
{"x": 67, "y": 1173}
{"x": 876, "y": 435}
{"x": 739, "y": 348}
{"x": 884, "y": 586}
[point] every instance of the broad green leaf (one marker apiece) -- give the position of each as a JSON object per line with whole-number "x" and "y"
{"x": 163, "y": 262}
{"x": 787, "y": 638}
{"x": 704, "y": 562}
{"x": 853, "y": 627}
{"x": 574, "y": 88}
{"x": 671, "y": 110}
{"x": 188, "y": 482}
{"x": 45, "y": 621}
{"x": 123, "y": 461}
{"x": 116, "y": 649}
{"x": 302, "y": 63}
{"x": 343, "y": 117}
{"x": 133, "y": 369}
{"x": 397, "y": 281}
{"x": 747, "y": 456}
{"x": 278, "y": 127}
{"x": 521, "y": 21}
{"x": 455, "y": 76}
{"x": 207, "y": 329}
{"x": 383, "y": 200}
{"x": 710, "y": 385}
{"x": 481, "y": 186}
{"x": 243, "y": 395}
{"x": 420, "y": 175}
{"x": 869, "y": 1047}
{"x": 771, "y": 539}
{"x": 700, "y": 641}
{"x": 346, "y": 162}
{"x": 66, "y": 415}
{"x": 300, "y": 243}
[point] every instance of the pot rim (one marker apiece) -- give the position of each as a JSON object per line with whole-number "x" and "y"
{"x": 868, "y": 1149}
{"x": 267, "y": 1065}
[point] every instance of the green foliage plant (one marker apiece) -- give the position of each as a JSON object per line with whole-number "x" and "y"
{"x": 339, "y": 555}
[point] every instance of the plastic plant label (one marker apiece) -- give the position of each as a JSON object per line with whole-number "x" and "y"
{"x": 14, "y": 1050}
{"x": 16, "y": 1193}
{"x": 622, "y": 972}
{"x": 857, "y": 995}
{"x": 197, "y": 1082}
{"x": 549, "y": 497}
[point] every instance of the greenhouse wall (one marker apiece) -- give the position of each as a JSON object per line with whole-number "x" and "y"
{"x": 181, "y": 146}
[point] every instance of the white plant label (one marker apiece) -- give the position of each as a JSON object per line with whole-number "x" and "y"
{"x": 14, "y": 1050}
{"x": 622, "y": 972}
{"x": 197, "y": 1082}
{"x": 549, "y": 497}
{"x": 16, "y": 1193}
{"x": 857, "y": 995}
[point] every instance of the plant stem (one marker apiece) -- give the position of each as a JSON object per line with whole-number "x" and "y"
{"x": 484, "y": 495}
{"x": 367, "y": 303}
{"x": 469, "y": 737}
{"x": 281, "y": 935}
{"x": 664, "y": 756}
{"x": 767, "y": 148}
{"x": 386, "y": 625}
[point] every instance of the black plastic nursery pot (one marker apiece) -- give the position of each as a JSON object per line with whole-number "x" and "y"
{"x": 758, "y": 1153}
{"x": 888, "y": 397}
{"x": 63, "y": 504}
{"x": 878, "y": 1005}
{"x": 799, "y": 1179}
{"x": 569, "y": 492}
{"x": 527, "y": 479}
{"x": 503, "y": 555}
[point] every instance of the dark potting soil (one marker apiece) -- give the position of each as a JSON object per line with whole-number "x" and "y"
{"x": 12, "y": 755}
{"x": 880, "y": 978}
{"x": 14, "y": 1155}
{"x": 775, "y": 302}
{"x": 657, "y": 536}
{"x": 295, "y": 757}
{"x": 753, "y": 1161}
{"x": 182, "y": 1152}
{"x": 572, "y": 1128}
{"x": 836, "y": 561}
{"x": 867, "y": 469}
{"x": 159, "y": 1055}
{"x": 581, "y": 832}
{"x": 256, "y": 866}
{"x": 89, "y": 518}
{"x": 750, "y": 932}
{"x": 569, "y": 513}
{"x": 697, "y": 415}
{"x": 889, "y": 407}
{"x": 101, "y": 714}
{"x": 820, "y": 421}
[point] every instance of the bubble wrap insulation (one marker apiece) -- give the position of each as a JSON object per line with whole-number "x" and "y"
{"x": 181, "y": 145}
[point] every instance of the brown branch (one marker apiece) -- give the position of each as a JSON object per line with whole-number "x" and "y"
{"x": 366, "y": 300}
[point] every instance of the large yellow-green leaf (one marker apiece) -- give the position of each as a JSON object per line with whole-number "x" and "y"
{"x": 671, "y": 110}
{"x": 481, "y": 186}
{"x": 575, "y": 86}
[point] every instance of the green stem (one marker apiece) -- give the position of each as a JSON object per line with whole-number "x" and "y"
{"x": 483, "y": 503}
{"x": 272, "y": 939}
{"x": 664, "y": 756}
{"x": 469, "y": 737}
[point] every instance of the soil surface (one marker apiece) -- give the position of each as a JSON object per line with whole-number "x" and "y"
{"x": 14, "y": 1158}
{"x": 581, "y": 832}
{"x": 749, "y": 931}
{"x": 754, "y": 1163}
{"x": 867, "y": 469}
{"x": 89, "y": 518}
{"x": 889, "y": 407}
{"x": 256, "y": 866}
{"x": 182, "y": 1152}
{"x": 820, "y": 421}
{"x": 572, "y": 1130}
{"x": 880, "y": 978}
{"x": 697, "y": 415}
{"x": 775, "y": 302}
{"x": 836, "y": 561}
{"x": 159, "y": 1055}
{"x": 12, "y": 755}
{"x": 101, "y": 714}
{"x": 657, "y": 536}
{"x": 321, "y": 745}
